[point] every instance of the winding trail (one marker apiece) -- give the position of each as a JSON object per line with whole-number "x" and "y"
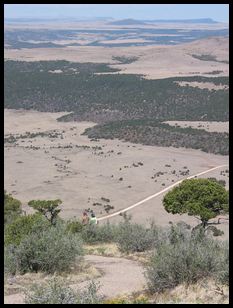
{"x": 120, "y": 276}
{"x": 158, "y": 193}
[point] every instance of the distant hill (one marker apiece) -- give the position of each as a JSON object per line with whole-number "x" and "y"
{"x": 124, "y": 22}
{"x": 130, "y": 21}
{"x": 187, "y": 21}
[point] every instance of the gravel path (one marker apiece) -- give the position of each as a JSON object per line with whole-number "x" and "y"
{"x": 120, "y": 276}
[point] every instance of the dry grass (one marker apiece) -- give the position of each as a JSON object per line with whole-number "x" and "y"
{"x": 111, "y": 250}
{"x": 78, "y": 273}
{"x": 107, "y": 250}
{"x": 203, "y": 292}
{"x": 154, "y": 62}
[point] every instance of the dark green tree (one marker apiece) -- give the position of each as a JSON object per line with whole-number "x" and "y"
{"x": 197, "y": 197}
{"x": 12, "y": 208}
{"x": 48, "y": 208}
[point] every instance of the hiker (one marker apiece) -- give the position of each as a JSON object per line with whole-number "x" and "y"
{"x": 85, "y": 218}
{"x": 93, "y": 219}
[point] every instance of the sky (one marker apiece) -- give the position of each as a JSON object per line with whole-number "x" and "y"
{"x": 218, "y": 12}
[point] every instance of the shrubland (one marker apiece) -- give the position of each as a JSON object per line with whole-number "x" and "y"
{"x": 175, "y": 255}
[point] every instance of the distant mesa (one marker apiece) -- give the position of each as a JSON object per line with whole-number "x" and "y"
{"x": 129, "y": 21}
{"x": 187, "y": 21}
{"x": 145, "y": 22}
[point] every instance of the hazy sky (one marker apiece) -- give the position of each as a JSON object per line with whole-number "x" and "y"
{"x": 218, "y": 12}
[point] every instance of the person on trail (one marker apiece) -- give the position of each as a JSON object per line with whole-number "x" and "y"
{"x": 93, "y": 219}
{"x": 85, "y": 218}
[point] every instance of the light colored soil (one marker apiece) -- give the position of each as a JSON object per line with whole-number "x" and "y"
{"x": 17, "y": 298}
{"x": 219, "y": 127}
{"x": 202, "y": 85}
{"x": 88, "y": 177}
{"x": 163, "y": 191}
{"x": 124, "y": 41}
{"x": 120, "y": 276}
{"x": 154, "y": 62}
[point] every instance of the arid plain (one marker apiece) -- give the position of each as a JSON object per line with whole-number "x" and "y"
{"x": 110, "y": 175}
{"x": 80, "y": 172}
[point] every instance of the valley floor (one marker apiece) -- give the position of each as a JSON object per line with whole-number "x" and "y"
{"x": 85, "y": 173}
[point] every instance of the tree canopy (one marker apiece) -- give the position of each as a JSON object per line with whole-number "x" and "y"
{"x": 197, "y": 197}
{"x": 48, "y": 208}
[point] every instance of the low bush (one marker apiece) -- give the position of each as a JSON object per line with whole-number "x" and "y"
{"x": 186, "y": 257}
{"x": 22, "y": 226}
{"x": 132, "y": 237}
{"x": 93, "y": 234}
{"x": 51, "y": 250}
{"x": 12, "y": 208}
{"x": 221, "y": 273}
{"x": 56, "y": 291}
{"x": 10, "y": 260}
{"x": 215, "y": 231}
{"x": 74, "y": 226}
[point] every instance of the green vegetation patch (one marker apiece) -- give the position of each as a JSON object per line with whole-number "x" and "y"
{"x": 208, "y": 57}
{"x": 102, "y": 98}
{"x": 153, "y": 132}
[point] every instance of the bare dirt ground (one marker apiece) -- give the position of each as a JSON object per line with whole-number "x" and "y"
{"x": 80, "y": 176}
{"x": 118, "y": 282}
{"x": 203, "y": 85}
{"x": 212, "y": 126}
{"x": 154, "y": 62}
{"x": 115, "y": 279}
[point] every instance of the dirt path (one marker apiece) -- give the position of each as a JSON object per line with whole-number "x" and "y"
{"x": 158, "y": 193}
{"x": 120, "y": 276}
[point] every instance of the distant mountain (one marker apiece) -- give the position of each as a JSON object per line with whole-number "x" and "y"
{"x": 124, "y": 22}
{"x": 110, "y": 20}
{"x": 187, "y": 21}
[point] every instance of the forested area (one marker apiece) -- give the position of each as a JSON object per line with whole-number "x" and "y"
{"x": 151, "y": 132}
{"x": 76, "y": 87}
{"x": 127, "y": 106}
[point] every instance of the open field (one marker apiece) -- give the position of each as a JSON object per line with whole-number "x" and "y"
{"x": 213, "y": 126}
{"x": 203, "y": 85}
{"x": 58, "y": 162}
{"x": 153, "y": 62}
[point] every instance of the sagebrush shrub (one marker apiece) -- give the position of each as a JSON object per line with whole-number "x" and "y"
{"x": 184, "y": 257}
{"x": 74, "y": 226}
{"x": 132, "y": 237}
{"x": 105, "y": 233}
{"x": 10, "y": 260}
{"x": 52, "y": 250}
{"x": 56, "y": 291}
{"x": 221, "y": 273}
